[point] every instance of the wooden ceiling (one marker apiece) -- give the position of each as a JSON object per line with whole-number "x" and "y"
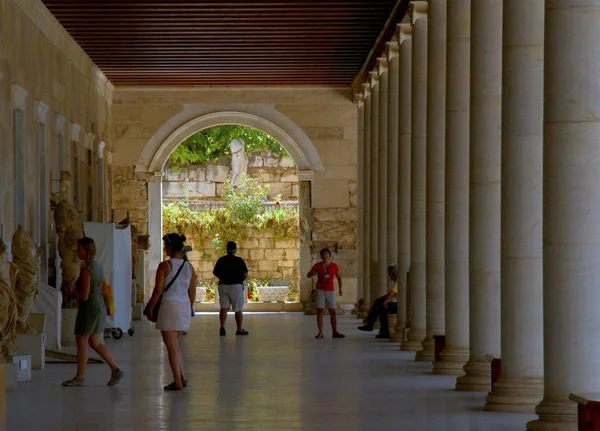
{"x": 244, "y": 42}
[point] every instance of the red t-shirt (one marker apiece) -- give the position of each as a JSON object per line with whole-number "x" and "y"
{"x": 325, "y": 277}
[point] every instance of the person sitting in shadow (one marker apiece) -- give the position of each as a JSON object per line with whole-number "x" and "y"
{"x": 383, "y": 306}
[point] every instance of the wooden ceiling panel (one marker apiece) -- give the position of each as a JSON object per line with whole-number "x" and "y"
{"x": 246, "y": 42}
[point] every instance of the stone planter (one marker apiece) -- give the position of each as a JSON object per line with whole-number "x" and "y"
{"x": 272, "y": 293}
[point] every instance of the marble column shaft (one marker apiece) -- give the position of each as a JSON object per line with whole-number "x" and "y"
{"x": 417, "y": 292}
{"x": 571, "y": 241}
{"x": 374, "y": 186}
{"x": 520, "y": 386}
{"x": 485, "y": 162}
{"x": 436, "y": 172}
{"x": 404, "y": 150}
{"x": 382, "y": 240}
{"x": 366, "y": 156}
{"x": 456, "y": 226}
{"x": 360, "y": 105}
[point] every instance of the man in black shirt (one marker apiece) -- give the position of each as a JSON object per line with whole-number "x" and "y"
{"x": 231, "y": 272}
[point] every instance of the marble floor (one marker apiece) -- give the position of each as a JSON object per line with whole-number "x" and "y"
{"x": 277, "y": 378}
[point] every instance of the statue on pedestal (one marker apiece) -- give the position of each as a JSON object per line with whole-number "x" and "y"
{"x": 8, "y": 305}
{"x": 26, "y": 258}
{"x": 239, "y": 161}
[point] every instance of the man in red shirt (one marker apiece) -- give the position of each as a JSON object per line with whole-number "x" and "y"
{"x": 325, "y": 291}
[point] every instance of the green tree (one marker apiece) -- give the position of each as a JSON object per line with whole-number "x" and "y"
{"x": 209, "y": 145}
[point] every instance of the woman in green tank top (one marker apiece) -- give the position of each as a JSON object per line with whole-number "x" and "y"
{"x": 91, "y": 314}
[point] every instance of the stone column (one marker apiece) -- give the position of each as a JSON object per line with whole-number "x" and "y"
{"x": 305, "y": 236}
{"x": 436, "y": 155}
{"x": 366, "y": 156}
{"x": 382, "y": 186}
{"x": 486, "y": 143}
{"x": 520, "y": 387}
{"x": 154, "y": 226}
{"x": 360, "y": 105}
{"x": 404, "y": 136}
{"x": 456, "y": 226}
{"x": 392, "y": 155}
{"x": 374, "y": 195}
{"x": 571, "y": 210}
{"x": 417, "y": 177}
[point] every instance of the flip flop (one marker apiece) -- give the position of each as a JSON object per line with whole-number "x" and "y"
{"x": 319, "y": 336}
{"x": 338, "y": 335}
{"x": 172, "y": 387}
{"x": 242, "y": 332}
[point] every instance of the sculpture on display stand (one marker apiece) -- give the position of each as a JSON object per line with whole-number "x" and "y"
{"x": 239, "y": 161}
{"x": 69, "y": 229}
{"x": 25, "y": 254}
{"x": 8, "y": 305}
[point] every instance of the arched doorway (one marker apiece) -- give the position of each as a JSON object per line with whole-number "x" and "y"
{"x": 263, "y": 118}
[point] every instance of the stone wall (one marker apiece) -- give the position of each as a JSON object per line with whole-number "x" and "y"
{"x": 66, "y": 106}
{"x": 326, "y": 115}
{"x": 207, "y": 181}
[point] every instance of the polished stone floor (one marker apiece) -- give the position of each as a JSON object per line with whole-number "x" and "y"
{"x": 278, "y": 378}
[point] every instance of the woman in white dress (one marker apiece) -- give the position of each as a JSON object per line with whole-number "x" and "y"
{"x": 176, "y": 305}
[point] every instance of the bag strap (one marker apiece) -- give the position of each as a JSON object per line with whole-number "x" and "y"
{"x": 176, "y": 275}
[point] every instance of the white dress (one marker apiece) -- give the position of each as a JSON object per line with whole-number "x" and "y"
{"x": 175, "y": 309}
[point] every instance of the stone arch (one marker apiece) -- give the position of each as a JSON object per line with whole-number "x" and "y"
{"x": 265, "y": 118}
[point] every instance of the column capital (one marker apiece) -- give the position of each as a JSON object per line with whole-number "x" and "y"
{"x": 374, "y": 78}
{"x": 382, "y": 65}
{"x": 360, "y": 100}
{"x": 366, "y": 89}
{"x": 41, "y": 110}
{"x": 404, "y": 33}
{"x": 418, "y": 10}
{"x": 75, "y": 129}
{"x": 101, "y": 146}
{"x": 392, "y": 48}
{"x": 306, "y": 175}
{"x": 89, "y": 141}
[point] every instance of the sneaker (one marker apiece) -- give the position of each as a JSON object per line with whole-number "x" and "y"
{"x": 115, "y": 378}
{"x": 365, "y": 328}
{"x": 242, "y": 332}
{"x": 74, "y": 382}
{"x": 383, "y": 335}
{"x": 222, "y": 332}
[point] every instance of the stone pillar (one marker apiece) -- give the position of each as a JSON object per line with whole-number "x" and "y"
{"x": 484, "y": 233}
{"x": 374, "y": 195}
{"x": 360, "y": 105}
{"x": 571, "y": 210}
{"x": 417, "y": 177}
{"x": 154, "y": 226}
{"x": 404, "y": 136}
{"x": 520, "y": 387}
{"x": 392, "y": 155}
{"x": 366, "y": 156}
{"x": 382, "y": 178}
{"x": 456, "y": 226}
{"x": 305, "y": 237}
{"x": 436, "y": 155}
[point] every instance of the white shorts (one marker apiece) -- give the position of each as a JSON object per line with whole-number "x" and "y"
{"x": 231, "y": 295}
{"x": 174, "y": 315}
{"x": 325, "y": 299}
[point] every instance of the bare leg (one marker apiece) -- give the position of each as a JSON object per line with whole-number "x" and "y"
{"x": 320, "y": 319}
{"x": 171, "y": 340}
{"x": 223, "y": 316}
{"x": 82, "y": 354}
{"x": 100, "y": 348}
{"x": 239, "y": 318}
{"x": 179, "y": 334}
{"x": 333, "y": 319}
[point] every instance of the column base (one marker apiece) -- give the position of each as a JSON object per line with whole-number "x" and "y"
{"x": 415, "y": 340}
{"x": 554, "y": 416}
{"x": 477, "y": 378}
{"x": 363, "y": 311}
{"x": 453, "y": 361}
{"x": 516, "y": 395}
{"x": 428, "y": 352}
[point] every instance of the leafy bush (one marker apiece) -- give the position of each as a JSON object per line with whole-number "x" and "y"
{"x": 246, "y": 200}
{"x": 209, "y": 145}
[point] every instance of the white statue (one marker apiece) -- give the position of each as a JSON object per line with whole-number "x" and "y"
{"x": 239, "y": 161}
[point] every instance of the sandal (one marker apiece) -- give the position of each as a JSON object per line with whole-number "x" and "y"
{"x": 115, "y": 377}
{"x": 75, "y": 381}
{"x": 172, "y": 387}
{"x": 184, "y": 383}
{"x": 338, "y": 335}
{"x": 242, "y": 332}
{"x": 319, "y": 335}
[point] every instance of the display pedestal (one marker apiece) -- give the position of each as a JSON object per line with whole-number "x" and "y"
{"x": 67, "y": 329}
{"x": 35, "y": 346}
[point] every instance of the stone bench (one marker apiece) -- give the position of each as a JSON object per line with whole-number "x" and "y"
{"x": 588, "y": 411}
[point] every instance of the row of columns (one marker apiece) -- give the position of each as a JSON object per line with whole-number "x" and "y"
{"x": 479, "y": 156}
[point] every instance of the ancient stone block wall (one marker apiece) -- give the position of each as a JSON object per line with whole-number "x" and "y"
{"x": 48, "y": 77}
